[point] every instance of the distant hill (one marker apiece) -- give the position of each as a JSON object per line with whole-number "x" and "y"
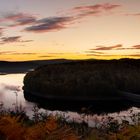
{"x": 7, "y": 67}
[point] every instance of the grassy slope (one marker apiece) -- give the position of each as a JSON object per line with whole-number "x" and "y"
{"x": 17, "y": 126}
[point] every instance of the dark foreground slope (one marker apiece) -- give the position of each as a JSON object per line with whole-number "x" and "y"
{"x": 87, "y": 81}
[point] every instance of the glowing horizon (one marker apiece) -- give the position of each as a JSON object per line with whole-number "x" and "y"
{"x": 38, "y": 30}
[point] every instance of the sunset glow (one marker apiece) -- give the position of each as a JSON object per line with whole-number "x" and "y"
{"x": 74, "y": 29}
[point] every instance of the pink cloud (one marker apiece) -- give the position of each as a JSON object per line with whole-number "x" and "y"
{"x": 91, "y": 10}
{"x": 108, "y": 48}
{"x": 19, "y": 19}
{"x": 136, "y": 47}
{"x": 1, "y": 31}
{"x": 133, "y": 14}
{"x": 58, "y": 23}
{"x": 12, "y": 39}
{"x": 106, "y": 6}
{"x": 50, "y": 24}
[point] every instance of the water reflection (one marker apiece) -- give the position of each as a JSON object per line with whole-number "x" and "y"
{"x": 11, "y": 93}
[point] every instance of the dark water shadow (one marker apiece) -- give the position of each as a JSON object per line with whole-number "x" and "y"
{"x": 99, "y": 107}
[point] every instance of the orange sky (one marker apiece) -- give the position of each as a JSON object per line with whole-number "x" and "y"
{"x": 76, "y": 29}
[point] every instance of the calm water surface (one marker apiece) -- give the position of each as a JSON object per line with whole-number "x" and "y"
{"x": 11, "y": 93}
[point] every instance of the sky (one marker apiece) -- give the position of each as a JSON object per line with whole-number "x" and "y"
{"x": 69, "y": 29}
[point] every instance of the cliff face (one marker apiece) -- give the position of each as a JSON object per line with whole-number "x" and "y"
{"x": 85, "y": 78}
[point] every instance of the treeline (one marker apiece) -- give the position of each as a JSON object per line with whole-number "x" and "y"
{"x": 86, "y": 77}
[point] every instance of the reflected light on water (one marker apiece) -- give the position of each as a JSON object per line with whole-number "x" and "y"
{"x": 11, "y": 88}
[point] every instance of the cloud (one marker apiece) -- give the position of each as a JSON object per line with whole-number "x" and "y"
{"x": 26, "y": 41}
{"x": 18, "y": 19}
{"x": 94, "y": 52}
{"x": 52, "y": 53}
{"x": 103, "y": 53}
{"x": 12, "y": 39}
{"x": 16, "y": 53}
{"x": 112, "y": 55}
{"x": 92, "y": 10}
{"x": 1, "y": 31}
{"x": 133, "y": 14}
{"x": 105, "y": 6}
{"x": 6, "y": 52}
{"x": 45, "y": 56}
{"x": 58, "y": 23}
{"x": 115, "y": 47}
{"x": 136, "y": 47}
{"x": 24, "y": 21}
{"x": 135, "y": 55}
{"x": 108, "y": 48}
{"x": 50, "y": 24}
{"x": 24, "y": 53}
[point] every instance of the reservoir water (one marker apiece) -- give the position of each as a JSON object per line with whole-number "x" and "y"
{"x": 11, "y": 94}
